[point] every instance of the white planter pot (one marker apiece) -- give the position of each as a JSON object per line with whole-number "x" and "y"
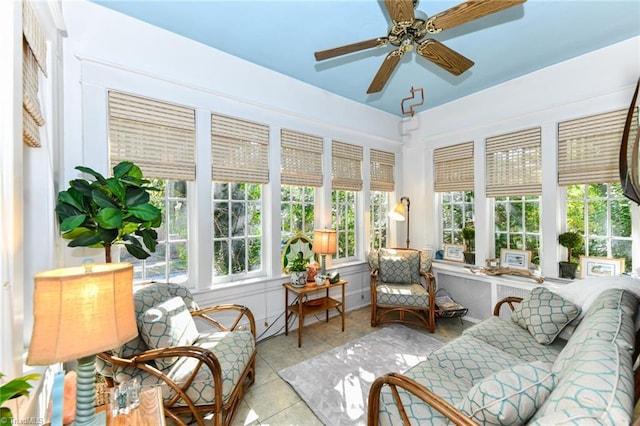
{"x": 299, "y": 279}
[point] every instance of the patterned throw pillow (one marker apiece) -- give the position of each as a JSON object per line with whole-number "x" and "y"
{"x": 166, "y": 325}
{"x": 510, "y": 396}
{"x": 544, "y": 314}
{"x": 399, "y": 266}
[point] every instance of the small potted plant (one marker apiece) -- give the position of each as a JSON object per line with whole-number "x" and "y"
{"x": 469, "y": 235}
{"x": 13, "y": 389}
{"x": 298, "y": 270}
{"x": 571, "y": 241}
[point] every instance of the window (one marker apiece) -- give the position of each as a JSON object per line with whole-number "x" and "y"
{"x": 382, "y": 182}
{"x": 346, "y": 181}
{"x": 300, "y": 173}
{"x": 170, "y": 260}
{"x": 240, "y": 165}
{"x": 457, "y": 212}
{"x": 514, "y": 179}
{"x": 454, "y": 179}
{"x": 379, "y": 208}
{"x": 297, "y": 211}
{"x": 343, "y": 218}
{"x": 603, "y": 216}
{"x": 237, "y": 228}
{"x": 517, "y": 225}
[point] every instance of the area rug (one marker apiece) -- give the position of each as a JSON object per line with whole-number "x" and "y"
{"x": 335, "y": 384}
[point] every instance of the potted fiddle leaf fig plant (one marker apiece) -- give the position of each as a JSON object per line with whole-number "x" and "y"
{"x": 571, "y": 241}
{"x": 298, "y": 270}
{"x": 469, "y": 235}
{"x": 107, "y": 211}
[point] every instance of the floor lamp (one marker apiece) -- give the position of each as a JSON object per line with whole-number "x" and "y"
{"x": 398, "y": 213}
{"x": 79, "y": 312}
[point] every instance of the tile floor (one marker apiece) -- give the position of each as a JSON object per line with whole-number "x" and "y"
{"x": 271, "y": 401}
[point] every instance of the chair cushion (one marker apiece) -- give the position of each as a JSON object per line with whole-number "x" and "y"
{"x": 544, "y": 314}
{"x": 165, "y": 325}
{"x": 402, "y": 295}
{"x": 510, "y": 396}
{"x": 399, "y": 266}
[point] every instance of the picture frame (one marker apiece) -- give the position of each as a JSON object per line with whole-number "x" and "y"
{"x": 515, "y": 259}
{"x": 600, "y": 266}
{"x": 453, "y": 252}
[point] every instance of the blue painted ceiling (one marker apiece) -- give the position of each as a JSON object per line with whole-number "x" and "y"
{"x": 283, "y": 35}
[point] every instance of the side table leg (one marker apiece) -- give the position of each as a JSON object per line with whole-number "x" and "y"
{"x": 286, "y": 311}
{"x": 300, "y": 321}
{"x": 344, "y": 308}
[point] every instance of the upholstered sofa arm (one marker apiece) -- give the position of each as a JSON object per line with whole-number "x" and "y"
{"x": 509, "y": 301}
{"x": 395, "y": 380}
{"x": 243, "y": 316}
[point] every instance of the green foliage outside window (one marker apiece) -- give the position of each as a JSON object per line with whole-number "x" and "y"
{"x": 343, "y": 219}
{"x": 379, "y": 206}
{"x": 517, "y": 225}
{"x": 297, "y": 211}
{"x": 457, "y": 211}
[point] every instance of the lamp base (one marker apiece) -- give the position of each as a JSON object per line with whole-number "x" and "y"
{"x": 86, "y": 394}
{"x": 100, "y": 419}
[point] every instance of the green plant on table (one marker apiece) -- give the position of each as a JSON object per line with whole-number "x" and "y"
{"x": 111, "y": 210}
{"x": 571, "y": 241}
{"x": 298, "y": 263}
{"x": 468, "y": 235}
{"x": 13, "y": 389}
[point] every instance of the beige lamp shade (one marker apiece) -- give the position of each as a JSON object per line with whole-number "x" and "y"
{"x": 325, "y": 241}
{"x": 81, "y": 311}
{"x": 398, "y": 212}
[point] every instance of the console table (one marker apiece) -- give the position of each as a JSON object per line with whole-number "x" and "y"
{"x": 302, "y": 308}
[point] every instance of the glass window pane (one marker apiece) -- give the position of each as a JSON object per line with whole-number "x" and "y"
{"x": 515, "y": 217}
{"x": 220, "y": 258}
{"x": 620, "y": 218}
{"x": 597, "y": 217}
{"x": 500, "y": 217}
{"x": 622, "y": 248}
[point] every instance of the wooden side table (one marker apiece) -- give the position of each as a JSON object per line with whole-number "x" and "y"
{"x": 150, "y": 412}
{"x": 310, "y": 307}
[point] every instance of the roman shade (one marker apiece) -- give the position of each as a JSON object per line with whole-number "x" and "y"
{"x": 514, "y": 164}
{"x": 34, "y": 57}
{"x": 239, "y": 150}
{"x": 589, "y": 148}
{"x": 381, "y": 170}
{"x": 346, "y": 166}
{"x": 157, "y": 136}
{"x": 453, "y": 168}
{"x": 300, "y": 159}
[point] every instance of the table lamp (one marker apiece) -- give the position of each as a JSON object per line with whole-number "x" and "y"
{"x": 398, "y": 213}
{"x": 324, "y": 243}
{"x": 79, "y": 312}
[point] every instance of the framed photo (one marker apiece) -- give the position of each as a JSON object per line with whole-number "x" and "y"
{"x": 454, "y": 252}
{"x": 600, "y": 266}
{"x": 515, "y": 259}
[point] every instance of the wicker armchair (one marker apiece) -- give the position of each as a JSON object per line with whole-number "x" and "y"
{"x": 201, "y": 365}
{"x": 403, "y": 288}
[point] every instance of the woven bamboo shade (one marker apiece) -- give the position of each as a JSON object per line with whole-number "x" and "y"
{"x": 454, "y": 168}
{"x": 300, "y": 159}
{"x": 34, "y": 57}
{"x": 157, "y": 136}
{"x": 589, "y": 148}
{"x": 514, "y": 164}
{"x": 346, "y": 166}
{"x": 381, "y": 170}
{"x": 239, "y": 150}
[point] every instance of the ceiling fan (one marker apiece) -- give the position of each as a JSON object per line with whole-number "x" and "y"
{"x": 412, "y": 27}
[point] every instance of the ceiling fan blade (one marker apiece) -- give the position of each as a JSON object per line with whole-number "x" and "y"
{"x": 401, "y": 11}
{"x": 444, "y": 57}
{"x": 350, "y": 48}
{"x": 384, "y": 72}
{"x": 467, "y": 11}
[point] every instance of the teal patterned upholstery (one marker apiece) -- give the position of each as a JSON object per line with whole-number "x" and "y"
{"x": 510, "y": 396}
{"x": 402, "y": 294}
{"x": 372, "y": 259}
{"x": 233, "y": 350}
{"x": 166, "y": 325}
{"x": 544, "y": 314}
{"x": 513, "y": 339}
{"x": 439, "y": 380}
{"x": 471, "y": 359}
{"x": 399, "y": 266}
{"x": 425, "y": 263}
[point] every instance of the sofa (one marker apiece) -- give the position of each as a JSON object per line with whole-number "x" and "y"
{"x": 516, "y": 370}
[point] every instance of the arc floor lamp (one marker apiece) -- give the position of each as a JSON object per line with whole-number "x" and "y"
{"x": 398, "y": 213}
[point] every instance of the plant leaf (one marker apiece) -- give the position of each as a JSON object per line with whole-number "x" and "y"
{"x": 122, "y": 169}
{"x": 136, "y": 196}
{"x": 103, "y": 200}
{"x": 145, "y": 212}
{"x": 72, "y": 222}
{"x": 88, "y": 240}
{"x": 67, "y": 198}
{"x": 82, "y": 186}
{"x": 149, "y": 238}
{"x": 108, "y": 235}
{"x": 117, "y": 189}
{"x": 64, "y": 210}
{"x": 93, "y": 173}
{"x": 109, "y": 218}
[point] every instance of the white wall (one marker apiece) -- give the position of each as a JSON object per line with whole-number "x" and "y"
{"x": 597, "y": 82}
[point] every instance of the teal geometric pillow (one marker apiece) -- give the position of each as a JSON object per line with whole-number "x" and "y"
{"x": 544, "y": 314}
{"x": 510, "y": 396}
{"x": 399, "y": 266}
{"x": 167, "y": 325}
